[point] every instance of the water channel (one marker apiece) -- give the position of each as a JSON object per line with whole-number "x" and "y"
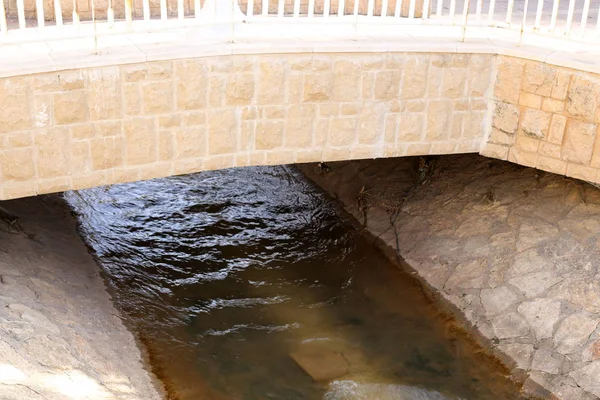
{"x": 225, "y": 275}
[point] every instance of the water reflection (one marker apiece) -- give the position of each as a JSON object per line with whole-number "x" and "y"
{"x": 225, "y": 274}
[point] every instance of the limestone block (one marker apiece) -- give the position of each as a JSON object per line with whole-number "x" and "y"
{"x": 553, "y": 105}
{"x": 535, "y": 123}
{"x": 169, "y": 121}
{"x": 80, "y": 157}
{"x": 499, "y": 137}
{"x": 216, "y": 94}
{"x": 583, "y": 98}
{"x": 414, "y": 77}
{"x": 222, "y": 131}
{"x": 132, "y": 99}
{"x": 581, "y": 172}
{"x": 370, "y": 123}
{"x": 454, "y": 84}
{"x": 508, "y": 80}
{"x": 318, "y": 86}
{"x": 190, "y": 142}
{"x": 549, "y": 150}
{"x": 71, "y": 80}
{"x": 299, "y": 126}
{"x": 506, "y": 117}
{"x": 527, "y": 144}
{"x": 13, "y": 190}
{"x": 415, "y": 106}
{"x": 193, "y": 118}
{"x": 495, "y": 151}
{"x": 556, "y": 132}
{"x": 542, "y": 315}
{"x": 43, "y": 110}
{"x": 474, "y": 125}
{"x": 19, "y": 139}
{"x": 387, "y": 85}
{"x": 538, "y": 78}
{"x": 434, "y": 82}
{"x": 240, "y": 89}
{"x": 574, "y": 332}
{"x": 103, "y": 91}
{"x": 157, "y": 97}
{"x": 411, "y": 127}
{"x": 346, "y": 80}
{"x": 552, "y": 165}
{"x": 439, "y": 118}
{"x": 368, "y": 85}
{"x": 140, "y": 140}
{"x": 342, "y": 131}
{"x": 458, "y": 120}
{"x": 166, "y": 145}
{"x": 561, "y": 85}
{"x": 52, "y": 155}
{"x": 391, "y": 128}
{"x": 53, "y": 185}
{"x": 269, "y": 135}
{"x": 441, "y": 60}
{"x": 417, "y": 149}
{"x": 530, "y": 100}
{"x": 107, "y": 153}
{"x": 578, "y": 143}
{"x": 17, "y": 164}
{"x": 16, "y": 104}
{"x": 155, "y": 71}
{"x": 528, "y": 159}
{"x": 191, "y": 84}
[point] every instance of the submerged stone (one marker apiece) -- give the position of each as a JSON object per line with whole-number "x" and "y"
{"x": 321, "y": 363}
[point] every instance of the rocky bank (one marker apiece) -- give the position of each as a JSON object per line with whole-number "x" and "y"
{"x": 60, "y": 336}
{"x": 516, "y": 251}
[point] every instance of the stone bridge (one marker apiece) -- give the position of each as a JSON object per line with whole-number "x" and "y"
{"x": 90, "y": 126}
{"x": 90, "y": 104}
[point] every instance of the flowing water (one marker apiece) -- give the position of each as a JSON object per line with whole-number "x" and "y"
{"x": 224, "y": 274}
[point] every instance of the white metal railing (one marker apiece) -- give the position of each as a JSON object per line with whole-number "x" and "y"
{"x": 577, "y": 20}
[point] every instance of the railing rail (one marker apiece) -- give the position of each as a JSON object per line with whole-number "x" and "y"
{"x": 577, "y": 20}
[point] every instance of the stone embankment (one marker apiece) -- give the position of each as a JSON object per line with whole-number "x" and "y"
{"x": 514, "y": 249}
{"x": 60, "y": 336}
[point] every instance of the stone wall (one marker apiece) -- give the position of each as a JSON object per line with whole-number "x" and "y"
{"x": 546, "y": 117}
{"x": 88, "y": 127}
{"x": 514, "y": 250}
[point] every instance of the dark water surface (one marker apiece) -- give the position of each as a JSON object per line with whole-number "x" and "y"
{"x": 223, "y": 274}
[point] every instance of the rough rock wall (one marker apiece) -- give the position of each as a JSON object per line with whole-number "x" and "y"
{"x": 515, "y": 249}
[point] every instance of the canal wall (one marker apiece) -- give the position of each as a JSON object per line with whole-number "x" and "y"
{"x": 60, "y": 335}
{"x": 513, "y": 250}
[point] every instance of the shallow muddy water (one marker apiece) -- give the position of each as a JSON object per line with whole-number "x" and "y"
{"x": 224, "y": 274}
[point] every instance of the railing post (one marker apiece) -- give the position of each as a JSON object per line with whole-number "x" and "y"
{"x": 75, "y": 14}
{"x": 128, "y": 13}
{"x": 3, "y": 25}
{"x": 524, "y": 22}
{"x": 39, "y": 10}
{"x": 584, "y": 16}
{"x": 110, "y": 14}
{"x": 21, "y": 14}
{"x": 554, "y": 15}
{"x": 58, "y": 13}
